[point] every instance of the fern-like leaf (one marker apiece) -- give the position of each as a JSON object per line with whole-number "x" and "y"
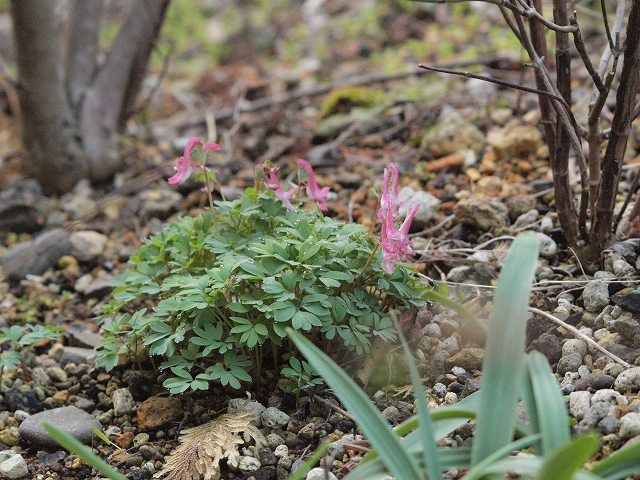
{"x": 202, "y": 448}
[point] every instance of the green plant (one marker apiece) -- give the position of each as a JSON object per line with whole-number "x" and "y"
{"x": 299, "y": 376}
{"x": 220, "y": 290}
{"x": 71, "y": 444}
{"x": 18, "y": 337}
{"x": 509, "y": 376}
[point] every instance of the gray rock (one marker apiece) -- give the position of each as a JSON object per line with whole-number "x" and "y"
{"x": 630, "y": 425}
{"x": 548, "y": 246}
{"x": 594, "y": 414}
{"x": 609, "y": 424}
{"x": 36, "y": 256}
{"x": 595, "y": 296}
{"x": 274, "y": 418}
{"x": 428, "y": 205}
{"x": 628, "y": 379}
{"x": 573, "y": 345}
{"x": 87, "y": 245}
{"x": 248, "y": 464}
{"x": 78, "y": 355}
{"x": 392, "y": 414}
{"x": 579, "y": 403}
{"x": 527, "y": 218}
{"x": 122, "y": 402}
{"x": 459, "y": 274}
{"x": 14, "y": 467}
{"x": 569, "y": 363}
{"x": 95, "y": 287}
{"x": 71, "y": 420}
{"x": 610, "y": 396}
{"x": 250, "y": 406}
{"x": 159, "y": 202}
{"x": 451, "y": 134}
{"x": 56, "y": 374}
{"x": 613, "y": 369}
{"x": 40, "y": 377}
{"x": 482, "y": 213}
{"x": 19, "y": 202}
{"x": 549, "y": 345}
{"x": 320, "y": 474}
{"x": 595, "y": 381}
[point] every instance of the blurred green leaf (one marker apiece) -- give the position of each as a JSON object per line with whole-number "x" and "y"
{"x": 503, "y": 369}
{"x": 619, "y": 464}
{"x": 315, "y": 457}
{"x": 82, "y": 451}
{"x": 547, "y": 413}
{"x": 373, "y": 424}
{"x": 564, "y": 462}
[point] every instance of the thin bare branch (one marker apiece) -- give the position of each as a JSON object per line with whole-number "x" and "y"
{"x": 496, "y": 81}
{"x": 627, "y": 200}
{"x": 580, "y": 335}
{"x": 605, "y": 19}
{"x": 584, "y": 56}
{"x": 608, "y": 52}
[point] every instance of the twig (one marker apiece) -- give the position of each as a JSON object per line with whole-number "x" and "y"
{"x": 335, "y": 407}
{"x": 497, "y": 82}
{"x": 605, "y": 19}
{"x": 584, "y": 56}
{"x": 580, "y": 335}
{"x": 194, "y": 119}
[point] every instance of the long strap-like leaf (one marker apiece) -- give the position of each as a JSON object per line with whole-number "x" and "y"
{"x": 503, "y": 368}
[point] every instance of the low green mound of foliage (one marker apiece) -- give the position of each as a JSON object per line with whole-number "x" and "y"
{"x": 213, "y": 295}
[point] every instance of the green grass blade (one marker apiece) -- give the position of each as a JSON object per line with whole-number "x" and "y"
{"x": 82, "y": 451}
{"x": 425, "y": 427}
{"x": 379, "y": 432}
{"x": 530, "y": 467}
{"x": 551, "y": 412}
{"x": 503, "y": 369}
{"x": 564, "y": 462}
{"x": 618, "y": 462}
{"x": 479, "y": 470}
{"x": 315, "y": 457}
{"x": 449, "y": 458}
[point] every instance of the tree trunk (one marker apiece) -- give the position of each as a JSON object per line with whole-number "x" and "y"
{"x": 55, "y": 156}
{"x": 71, "y": 118}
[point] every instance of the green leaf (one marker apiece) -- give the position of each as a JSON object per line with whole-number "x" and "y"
{"x": 380, "y": 434}
{"x": 315, "y": 457}
{"x": 74, "y": 446}
{"x": 425, "y": 428}
{"x": 619, "y": 464}
{"x": 550, "y": 417}
{"x": 565, "y": 461}
{"x": 503, "y": 370}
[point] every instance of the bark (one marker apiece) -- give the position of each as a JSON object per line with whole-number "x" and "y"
{"x": 55, "y": 157}
{"x": 82, "y": 47}
{"x": 108, "y": 100}
{"x": 621, "y": 126}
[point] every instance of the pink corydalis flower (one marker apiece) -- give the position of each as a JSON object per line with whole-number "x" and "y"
{"x": 272, "y": 182}
{"x": 184, "y": 165}
{"x": 395, "y": 243}
{"x": 319, "y": 195}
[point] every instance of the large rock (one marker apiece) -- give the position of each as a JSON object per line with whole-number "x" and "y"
{"x": 481, "y": 213}
{"x": 77, "y": 423}
{"x": 157, "y": 412}
{"x": 34, "y": 257}
{"x": 517, "y": 141}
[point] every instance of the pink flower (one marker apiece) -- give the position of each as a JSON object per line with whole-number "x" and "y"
{"x": 395, "y": 243}
{"x": 319, "y": 195}
{"x": 272, "y": 182}
{"x": 184, "y": 164}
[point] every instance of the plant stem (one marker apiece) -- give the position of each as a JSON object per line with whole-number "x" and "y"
{"x": 208, "y": 187}
{"x": 369, "y": 260}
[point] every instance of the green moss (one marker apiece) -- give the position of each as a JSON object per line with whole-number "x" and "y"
{"x": 346, "y": 98}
